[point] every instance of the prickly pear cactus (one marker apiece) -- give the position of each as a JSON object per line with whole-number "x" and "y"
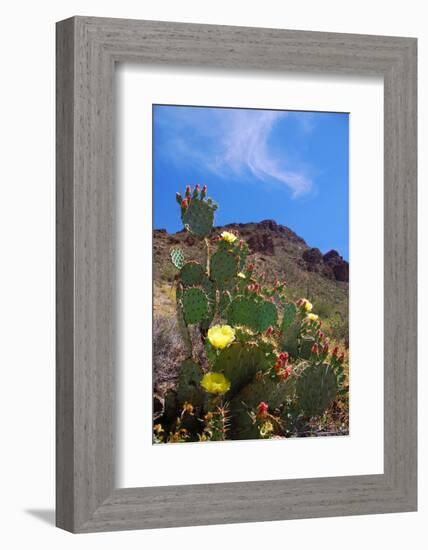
{"x": 240, "y": 363}
{"x": 305, "y": 346}
{"x": 198, "y": 217}
{"x": 316, "y": 389}
{"x": 267, "y": 365}
{"x": 273, "y": 393}
{"x": 289, "y": 339}
{"x": 266, "y": 315}
{"x": 224, "y": 302}
{"x": 243, "y": 311}
{"x": 195, "y": 305}
{"x": 192, "y": 273}
{"x": 289, "y": 316}
{"x": 257, "y": 316}
{"x": 224, "y": 267}
{"x": 189, "y": 384}
{"x": 177, "y": 257}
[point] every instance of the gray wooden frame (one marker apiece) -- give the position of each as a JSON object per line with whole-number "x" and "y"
{"x": 87, "y": 50}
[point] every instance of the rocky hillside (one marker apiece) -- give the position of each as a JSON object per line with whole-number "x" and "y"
{"x": 281, "y": 254}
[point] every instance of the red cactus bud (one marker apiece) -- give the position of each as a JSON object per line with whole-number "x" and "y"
{"x": 187, "y": 190}
{"x": 269, "y": 331}
{"x": 185, "y": 204}
{"x": 325, "y": 348}
{"x": 284, "y": 356}
{"x": 197, "y": 187}
{"x": 203, "y": 191}
{"x": 335, "y": 351}
{"x": 315, "y": 349}
{"x": 320, "y": 335}
{"x": 286, "y": 373}
{"x": 262, "y": 409}
{"x": 341, "y": 357}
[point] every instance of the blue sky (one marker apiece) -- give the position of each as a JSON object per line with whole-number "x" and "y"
{"x": 289, "y": 166}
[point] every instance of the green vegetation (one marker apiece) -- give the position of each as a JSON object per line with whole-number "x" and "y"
{"x": 254, "y": 362}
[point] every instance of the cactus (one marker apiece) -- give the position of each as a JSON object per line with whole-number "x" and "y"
{"x": 266, "y": 315}
{"x": 224, "y": 302}
{"x": 177, "y": 257}
{"x": 263, "y": 389}
{"x": 305, "y": 346}
{"x": 216, "y": 425}
{"x": 170, "y": 407}
{"x": 289, "y": 339}
{"x": 189, "y": 384}
{"x": 257, "y": 316}
{"x": 209, "y": 289}
{"x": 316, "y": 389}
{"x": 223, "y": 268}
{"x": 195, "y": 305}
{"x": 182, "y": 326}
{"x": 289, "y": 316}
{"x": 198, "y": 217}
{"x": 192, "y": 273}
{"x": 240, "y": 363}
{"x": 243, "y": 311}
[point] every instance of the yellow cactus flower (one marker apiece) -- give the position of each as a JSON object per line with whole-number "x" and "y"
{"x": 228, "y": 237}
{"x": 312, "y": 317}
{"x": 188, "y": 408}
{"x": 241, "y": 275}
{"x": 307, "y": 306}
{"x": 221, "y": 336}
{"x": 266, "y": 428}
{"x": 215, "y": 382}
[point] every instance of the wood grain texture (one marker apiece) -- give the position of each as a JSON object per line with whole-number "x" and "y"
{"x": 87, "y": 50}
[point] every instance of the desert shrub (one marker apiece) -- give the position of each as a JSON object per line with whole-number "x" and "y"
{"x": 168, "y": 349}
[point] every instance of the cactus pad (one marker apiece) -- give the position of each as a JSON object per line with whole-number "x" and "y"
{"x": 243, "y": 311}
{"x": 266, "y": 316}
{"x": 265, "y": 389}
{"x": 188, "y": 387}
{"x": 198, "y": 218}
{"x": 290, "y": 338}
{"x": 192, "y": 273}
{"x": 239, "y": 363}
{"x": 195, "y": 305}
{"x": 177, "y": 257}
{"x": 305, "y": 346}
{"x": 258, "y": 316}
{"x": 224, "y": 302}
{"x": 316, "y": 388}
{"x": 224, "y": 266}
{"x": 289, "y": 316}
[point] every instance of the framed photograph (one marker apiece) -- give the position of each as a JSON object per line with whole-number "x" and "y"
{"x": 236, "y": 274}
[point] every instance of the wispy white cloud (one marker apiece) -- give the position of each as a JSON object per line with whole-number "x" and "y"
{"x": 234, "y": 143}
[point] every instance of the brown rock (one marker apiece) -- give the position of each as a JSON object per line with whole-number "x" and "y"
{"x": 338, "y": 265}
{"x": 312, "y": 256}
{"x": 190, "y": 240}
{"x": 261, "y": 242}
